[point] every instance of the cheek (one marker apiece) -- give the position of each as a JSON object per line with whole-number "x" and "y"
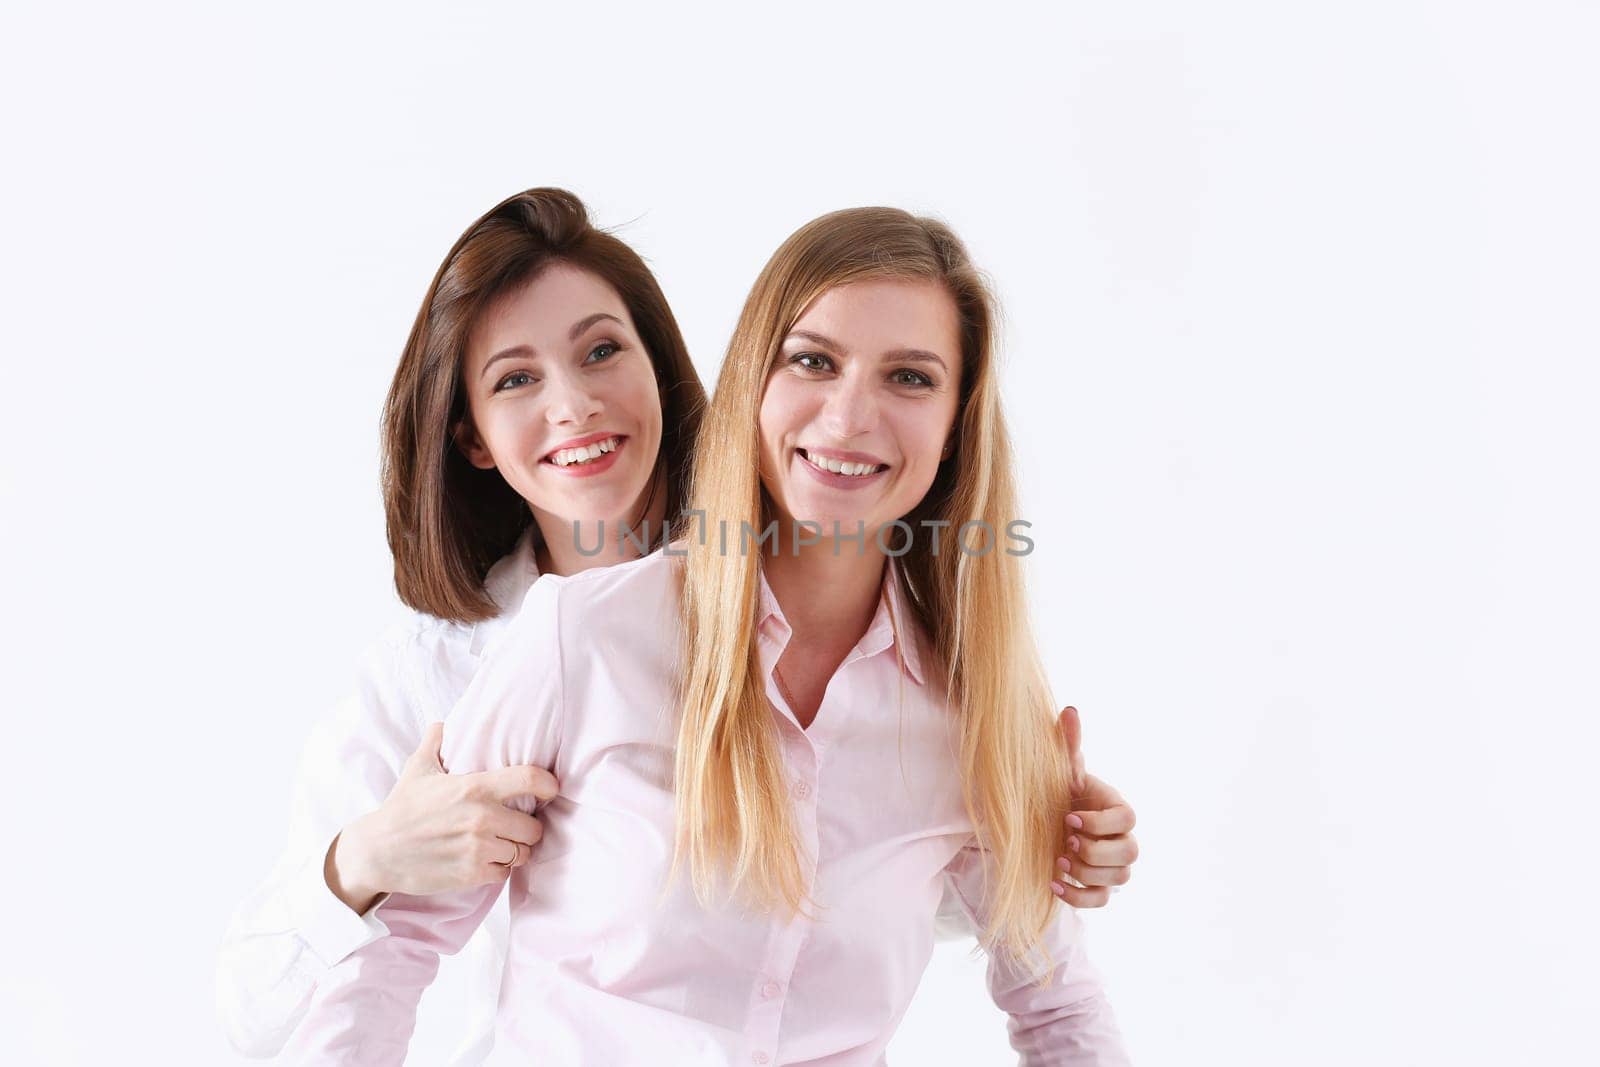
{"x": 771, "y": 422}
{"x": 922, "y": 435}
{"x": 781, "y": 414}
{"x": 638, "y": 400}
{"x": 498, "y": 433}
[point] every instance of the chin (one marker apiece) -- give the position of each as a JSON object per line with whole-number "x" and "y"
{"x": 847, "y": 523}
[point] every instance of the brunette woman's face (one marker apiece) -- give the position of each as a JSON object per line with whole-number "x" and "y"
{"x": 861, "y": 403}
{"x": 562, "y": 398}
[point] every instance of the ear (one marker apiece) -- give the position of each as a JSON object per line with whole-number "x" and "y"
{"x": 471, "y": 446}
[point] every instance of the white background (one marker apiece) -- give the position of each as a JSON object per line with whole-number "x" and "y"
{"x": 1301, "y": 356}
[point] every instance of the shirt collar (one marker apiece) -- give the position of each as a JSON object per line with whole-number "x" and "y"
{"x": 507, "y": 585}
{"x": 889, "y": 621}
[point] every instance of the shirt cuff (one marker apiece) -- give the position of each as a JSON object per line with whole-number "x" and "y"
{"x": 324, "y": 922}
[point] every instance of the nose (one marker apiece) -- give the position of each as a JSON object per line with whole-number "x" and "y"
{"x": 851, "y": 408}
{"x": 568, "y": 400}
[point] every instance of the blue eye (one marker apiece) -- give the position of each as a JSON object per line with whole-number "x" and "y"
{"x": 512, "y": 380}
{"x": 602, "y": 352}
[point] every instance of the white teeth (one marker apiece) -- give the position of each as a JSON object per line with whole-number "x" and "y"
{"x": 854, "y": 470}
{"x": 587, "y": 454}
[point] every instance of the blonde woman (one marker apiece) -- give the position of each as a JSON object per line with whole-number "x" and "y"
{"x": 781, "y": 738}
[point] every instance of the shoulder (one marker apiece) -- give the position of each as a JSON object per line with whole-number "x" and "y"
{"x": 620, "y": 594}
{"x": 626, "y": 612}
{"x": 415, "y": 632}
{"x": 425, "y": 639}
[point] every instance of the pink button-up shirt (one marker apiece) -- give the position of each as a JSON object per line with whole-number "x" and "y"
{"x": 609, "y": 963}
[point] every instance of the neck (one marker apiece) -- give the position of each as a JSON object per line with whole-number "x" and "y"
{"x": 570, "y": 546}
{"x": 827, "y": 596}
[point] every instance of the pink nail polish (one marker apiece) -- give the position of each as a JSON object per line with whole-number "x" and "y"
{"x": 1059, "y": 889}
{"x": 1064, "y": 863}
{"x": 1074, "y": 843}
{"x": 1075, "y": 822}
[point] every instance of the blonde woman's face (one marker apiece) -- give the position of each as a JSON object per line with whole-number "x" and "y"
{"x": 563, "y": 398}
{"x": 861, "y": 403}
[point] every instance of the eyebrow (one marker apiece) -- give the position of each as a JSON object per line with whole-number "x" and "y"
{"x": 583, "y": 324}
{"x": 572, "y": 335}
{"x": 908, "y": 355}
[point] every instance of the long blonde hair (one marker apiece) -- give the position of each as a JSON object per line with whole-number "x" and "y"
{"x": 732, "y": 806}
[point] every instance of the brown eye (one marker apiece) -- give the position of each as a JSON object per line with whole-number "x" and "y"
{"x": 910, "y": 377}
{"x": 811, "y": 361}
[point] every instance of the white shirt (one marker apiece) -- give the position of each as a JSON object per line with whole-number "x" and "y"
{"x": 291, "y": 929}
{"x": 613, "y": 963}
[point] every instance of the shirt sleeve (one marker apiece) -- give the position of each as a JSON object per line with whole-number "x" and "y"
{"x": 364, "y": 1010}
{"x": 291, "y": 928}
{"x": 1067, "y": 1018}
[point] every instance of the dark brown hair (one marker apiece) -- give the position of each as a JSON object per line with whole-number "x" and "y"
{"x": 448, "y": 521}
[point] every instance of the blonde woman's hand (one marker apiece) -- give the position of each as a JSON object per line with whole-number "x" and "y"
{"x": 437, "y": 832}
{"x": 1100, "y": 844}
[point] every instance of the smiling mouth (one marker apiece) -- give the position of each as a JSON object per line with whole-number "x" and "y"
{"x": 845, "y": 467}
{"x": 584, "y": 454}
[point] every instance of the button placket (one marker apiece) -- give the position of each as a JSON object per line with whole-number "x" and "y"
{"x": 769, "y": 992}
{"x": 767, "y": 995}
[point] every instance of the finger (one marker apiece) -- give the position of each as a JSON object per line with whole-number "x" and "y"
{"x": 425, "y": 760}
{"x": 1072, "y": 733}
{"x": 494, "y": 859}
{"x": 493, "y": 873}
{"x": 1118, "y": 851}
{"x": 508, "y": 783}
{"x": 1082, "y": 897}
{"x": 510, "y": 860}
{"x": 513, "y": 825}
{"x": 1094, "y": 794}
{"x": 1092, "y": 876}
{"x": 1111, "y": 822}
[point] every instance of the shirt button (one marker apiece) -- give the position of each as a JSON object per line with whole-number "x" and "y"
{"x": 770, "y": 990}
{"x": 761, "y": 1057}
{"x": 802, "y": 790}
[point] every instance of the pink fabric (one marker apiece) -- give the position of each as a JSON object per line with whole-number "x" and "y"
{"x": 609, "y": 963}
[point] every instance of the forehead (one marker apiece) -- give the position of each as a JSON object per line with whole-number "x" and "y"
{"x": 540, "y": 312}
{"x": 882, "y": 314}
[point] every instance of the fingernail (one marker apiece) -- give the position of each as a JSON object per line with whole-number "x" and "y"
{"x": 1073, "y": 844}
{"x": 1074, "y": 822}
{"x": 1064, "y": 863}
{"x": 1058, "y": 889}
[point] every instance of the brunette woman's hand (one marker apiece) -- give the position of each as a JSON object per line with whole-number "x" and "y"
{"x": 1100, "y": 845}
{"x": 436, "y": 831}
